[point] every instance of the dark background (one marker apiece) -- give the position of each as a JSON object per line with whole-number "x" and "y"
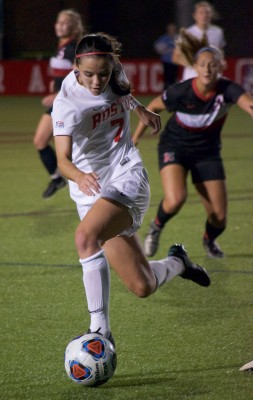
{"x": 28, "y": 25}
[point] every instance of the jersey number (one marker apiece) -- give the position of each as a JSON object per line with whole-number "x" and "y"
{"x": 120, "y": 123}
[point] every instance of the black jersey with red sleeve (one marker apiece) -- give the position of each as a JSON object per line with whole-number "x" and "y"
{"x": 196, "y": 123}
{"x": 62, "y": 62}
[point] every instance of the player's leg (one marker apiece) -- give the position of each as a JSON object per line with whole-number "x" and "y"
{"x": 126, "y": 257}
{"x": 173, "y": 178}
{"x": 208, "y": 175}
{"x": 41, "y": 140}
{"x": 213, "y": 195}
{"x": 104, "y": 220}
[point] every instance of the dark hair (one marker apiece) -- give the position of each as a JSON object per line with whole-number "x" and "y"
{"x": 104, "y": 45}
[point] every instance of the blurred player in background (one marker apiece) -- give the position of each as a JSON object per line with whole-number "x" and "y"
{"x": 191, "y": 142}
{"x": 164, "y": 46}
{"x": 203, "y": 15}
{"x": 68, "y": 29}
{"x": 91, "y": 119}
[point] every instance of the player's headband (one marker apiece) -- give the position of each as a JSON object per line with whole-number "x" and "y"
{"x": 94, "y": 53}
{"x": 207, "y": 48}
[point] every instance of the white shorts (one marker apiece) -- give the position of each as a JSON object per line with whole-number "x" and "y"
{"x": 130, "y": 189}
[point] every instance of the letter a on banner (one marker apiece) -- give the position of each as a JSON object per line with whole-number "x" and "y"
{"x": 36, "y": 84}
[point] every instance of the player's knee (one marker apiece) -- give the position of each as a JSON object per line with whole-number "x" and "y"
{"x": 39, "y": 142}
{"x": 173, "y": 204}
{"x": 36, "y": 142}
{"x": 143, "y": 289}
{"x": 84, "y": 240}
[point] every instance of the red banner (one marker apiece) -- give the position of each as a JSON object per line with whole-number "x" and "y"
{"x": 146, "y": 76}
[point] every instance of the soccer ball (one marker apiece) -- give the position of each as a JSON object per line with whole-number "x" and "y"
{"x": 90, "y": 360}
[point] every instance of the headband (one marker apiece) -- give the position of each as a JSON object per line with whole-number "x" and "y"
{"x": 207, "y": 48}
{"x": 92, "y": 53}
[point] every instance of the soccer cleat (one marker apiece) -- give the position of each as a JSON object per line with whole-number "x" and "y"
{"x": 212, "y": 249}
{"x": 110, "y": 337}
{"x": 53, "y": 186}
{"x": 247, "y": 367}
{"x": 193, "y": 272}
{"x": 151, "y": 241}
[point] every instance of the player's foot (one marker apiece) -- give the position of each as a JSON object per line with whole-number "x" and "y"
{"x": 194, "y": 272}
{"x": 247, "y": 367}
{"x": 212, "y": 249}
{"x": 53, "y": 186}
{"x": 110, "y": 337}
{"x": 151, "y": 241}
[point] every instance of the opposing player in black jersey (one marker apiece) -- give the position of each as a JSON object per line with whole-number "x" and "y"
{"x": 68, "y": 29}
{"x": 191, "y": 142}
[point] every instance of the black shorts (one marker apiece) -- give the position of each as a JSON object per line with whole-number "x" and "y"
{"x": 203, "y": 168}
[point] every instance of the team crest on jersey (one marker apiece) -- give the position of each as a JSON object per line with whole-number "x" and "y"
{"x": 168, "y": 157}
{"x": 59, "y": 124}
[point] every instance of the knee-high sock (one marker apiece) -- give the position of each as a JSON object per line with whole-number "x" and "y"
{"x": 212, "y": 232}
{"x": 96, "y": 279}
{"x": 166, "y": 269}
{"x": 161, "y": 216}
{"x": 48, "y": 158}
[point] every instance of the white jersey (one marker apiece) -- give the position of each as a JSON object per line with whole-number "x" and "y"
{"x": 100, "y": 131}
{"x": 215, "y": 38}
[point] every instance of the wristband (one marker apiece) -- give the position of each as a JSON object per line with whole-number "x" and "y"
{"x": 134, "y": 103}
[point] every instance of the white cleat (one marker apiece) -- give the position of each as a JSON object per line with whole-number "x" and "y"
{"x": 247, "y": 367}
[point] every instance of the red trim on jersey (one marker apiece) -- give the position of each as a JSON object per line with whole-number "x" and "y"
{"x": 214, "y": 125}
{"x": 199, "y": 94}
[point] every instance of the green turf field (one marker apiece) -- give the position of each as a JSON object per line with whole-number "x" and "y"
{"x": 183, "y": 343}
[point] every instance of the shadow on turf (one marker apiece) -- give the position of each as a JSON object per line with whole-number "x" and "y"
{"x": 131, "y": 380}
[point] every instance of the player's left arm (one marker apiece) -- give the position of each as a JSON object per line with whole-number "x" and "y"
{"x": 153, "y": 109}
{"x": 245, "y": 102}
{"x": 148, "y": 117}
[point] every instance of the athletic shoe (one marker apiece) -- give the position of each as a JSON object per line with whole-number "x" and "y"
{"x": 194, "y": 272}
{"x": 110, "y": 337}
{"x": 212, "y": 249}
{"x": 247, "y": 367}
{"x": 151, "y": 241}
{"x": 53, "y": 186}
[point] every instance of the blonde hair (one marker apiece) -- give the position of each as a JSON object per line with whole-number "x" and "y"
{"x": 214, "y": 13}
{"x": 77, "y": 25}
{"x": 202, "y": 4}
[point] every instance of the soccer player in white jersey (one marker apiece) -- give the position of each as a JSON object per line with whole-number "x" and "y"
{"x": 203, "y": 14}
{"x": 69, "y": 29}
{"x": 191, "y": 142}
{"x": 91, "y": 119}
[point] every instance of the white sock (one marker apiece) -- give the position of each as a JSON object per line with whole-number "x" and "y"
{"x": 166, "y": 269}
{"x": 96, "y": 279}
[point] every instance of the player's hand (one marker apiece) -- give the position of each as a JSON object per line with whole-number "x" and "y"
{"x": 150, "y": 119}
{"x": 88, "y": 183}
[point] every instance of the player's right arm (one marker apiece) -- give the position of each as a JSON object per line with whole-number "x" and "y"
{"x": 87, "y": 183}
{"x": 156, "y": 106}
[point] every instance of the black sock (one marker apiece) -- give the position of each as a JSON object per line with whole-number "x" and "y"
{"x": 211, "y": 232}
{"x": 162, "y": 217}
{"x": 48, "y": 159}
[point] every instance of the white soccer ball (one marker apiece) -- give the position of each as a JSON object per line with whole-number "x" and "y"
{"x": 90, "y": 359}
